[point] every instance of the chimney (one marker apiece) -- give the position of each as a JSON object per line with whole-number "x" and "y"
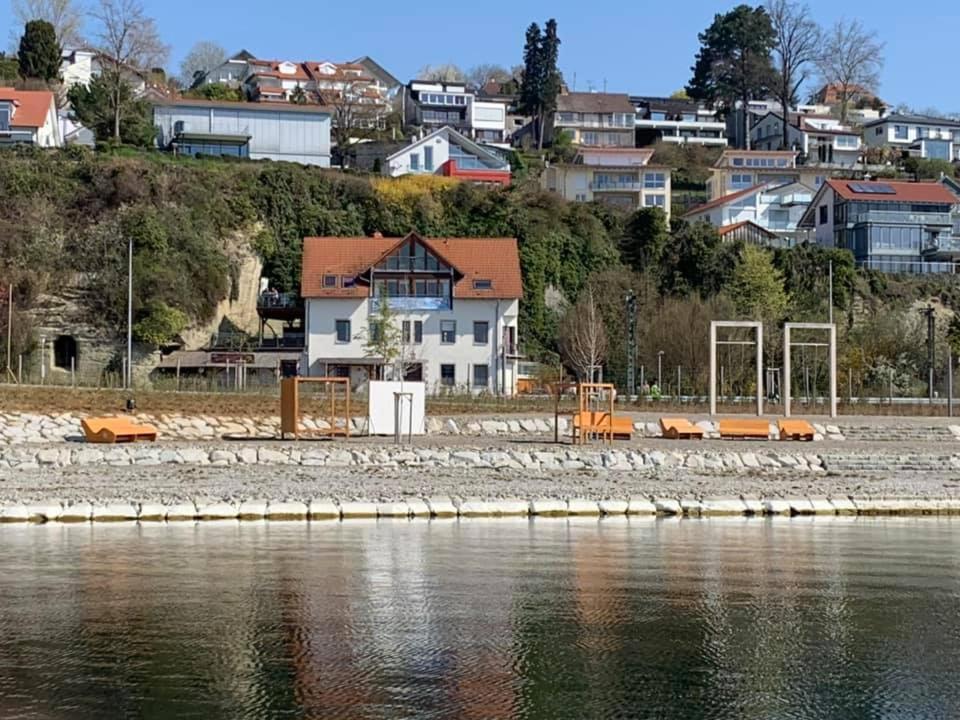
{"x": 378, "y": 234}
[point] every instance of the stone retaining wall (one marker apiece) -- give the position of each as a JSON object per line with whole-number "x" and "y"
{"x": 29, "y": 428}
{"x": 443, "y": 507}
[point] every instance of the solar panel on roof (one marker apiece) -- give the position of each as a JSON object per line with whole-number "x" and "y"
{"x": 872, "y": 188}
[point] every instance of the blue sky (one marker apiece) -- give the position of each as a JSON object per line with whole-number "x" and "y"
{"x": 642, "y": 48}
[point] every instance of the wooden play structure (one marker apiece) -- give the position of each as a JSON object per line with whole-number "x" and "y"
{"x": 680, "y": 429}
{"x": 338, "y": 424}
{"x": 116, "y": 430}
{"x": 594, "y": 417}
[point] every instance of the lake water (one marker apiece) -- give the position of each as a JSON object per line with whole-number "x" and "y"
{"x": 745, "y": 618}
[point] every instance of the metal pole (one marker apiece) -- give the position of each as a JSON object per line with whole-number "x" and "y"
{"x": 178, "y": 374}
{"x": 949, "y": 381}
{"x": 786, "y": 371}
{"x": 831, "y": 292}
{"x": 128, "y": 379}
{"x": 660, "y": 370}
{"x": 43, "y": 354}
{"x": 759, "y": 370}
{"x": 20, "y": 369}
{"x": 631, "y": 345}
{"x": 73, "y": 372}
{"x": 678, "y": 384}
{"x": 713, "y": 369}
{"x": 833, "y": 371}
{"x": 9, "y": 325}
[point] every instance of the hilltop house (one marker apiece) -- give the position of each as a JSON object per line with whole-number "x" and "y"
{"x": 29, "y": 117}
{"x": 622, "y": 177}
{"x": 901, "y": 227}
{"x": 594, "y": 119}
{"x": 432, "y": 104}
{"x": 676, "y": 121}
{"x": 916, "y": 135}
{"x": 449, "y": 153}
{"x": 457, "y": 301}
{"x": 259, "y": 131}
{"x": 737, "y": 170}
{"x": 821, "y": 141}
{"x": 767, "y": 214}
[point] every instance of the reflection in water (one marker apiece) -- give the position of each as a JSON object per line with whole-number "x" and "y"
{"x": 743, "y": 618}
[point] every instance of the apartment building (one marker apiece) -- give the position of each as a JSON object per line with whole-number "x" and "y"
{"x": 676, "y": 121}
{"x": 898, "y": 227}
{"x": 919, "y": 136}
{"x": 621, "y": 177}
{"x": 737, "y": 170}
{"x": 433, "y": 104}
{"x": 820, "y": 140}
{"x": 456, "y": 301}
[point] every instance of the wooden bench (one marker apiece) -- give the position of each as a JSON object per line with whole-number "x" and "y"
{"x": 795, "y": 430}
{"x": 116, "y": 430}
{"x": 599, "y": 422}
{"x": 680, "y": 429}
{"x": 745, "y": 429}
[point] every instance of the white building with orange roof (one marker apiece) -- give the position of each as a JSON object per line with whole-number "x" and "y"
{"x": 456, "y": 302}
{"x": 29, "y": 117}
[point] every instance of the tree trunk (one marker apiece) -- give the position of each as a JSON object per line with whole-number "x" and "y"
{"x": 116, "y": 115}
{"x": 744, "y": 100}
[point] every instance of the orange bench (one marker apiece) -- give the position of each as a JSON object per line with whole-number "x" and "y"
{"x": 795, "y": 430}
{"x": 743, "y": 429}
{"x": 680, "y": 429}
{"x": 599, "y": 422}
{"x": 116, "y": 430}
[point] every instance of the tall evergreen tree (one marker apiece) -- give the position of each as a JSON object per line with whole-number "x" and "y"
{"x": 541, "y": 78}
{"x": 734, "y": 62}
{"x": 549, "y": 54}
{"x": 40, "y": 53}
{"x": 531, "y": 86}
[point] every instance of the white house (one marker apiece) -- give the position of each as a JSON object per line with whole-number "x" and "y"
{"x": 29, "y": 117}
{"x": 78, "y": 67}
{"x": 774, "y": 209}
{"x": 820, "y": 140}
{"x": 916, "y": 135}
{"x": 449, "y": 153}
{"x": 259, "y": 131}
{"x": 433, "y": 104}
{"x": 456, "y": 300}
{"x": 231, "y": 72}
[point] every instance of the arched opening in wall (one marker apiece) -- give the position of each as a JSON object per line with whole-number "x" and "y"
{"x": 64, "y": 351}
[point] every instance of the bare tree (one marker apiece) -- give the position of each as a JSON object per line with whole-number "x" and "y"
{"x": 480, "y": 75}
{"x": 203, "y": 57}
{"x": 795, "y": 48}
{"x": 356, "y": 108}
{"x": 583, "y": 338}
{"x": 65, "y": 16}
{"x": 129, "y": 41}
{"x": 851, "y": 58}
{"x": 447, "y": 72}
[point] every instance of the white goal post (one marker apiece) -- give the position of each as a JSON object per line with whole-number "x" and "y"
{"x": 758, "y": 328}
{"x": 831, "y": 328}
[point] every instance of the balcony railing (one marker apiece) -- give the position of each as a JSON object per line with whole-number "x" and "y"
{"x": 887, "y": 216}
{"x": 633, "y": 185}
{"x": 944, "y": 245}
{"x": 909, "y": 267}
{"x": 411, "y": 303}
{"x": 275, "y": 301}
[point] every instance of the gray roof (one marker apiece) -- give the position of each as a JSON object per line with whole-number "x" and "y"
{"x": 915, "y": 120}
{"x": 585, "y": 102}
{"x": 284, "y": 107}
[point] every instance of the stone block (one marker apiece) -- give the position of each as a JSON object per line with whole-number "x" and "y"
{"x": 393, "y": 510}
{"x": 418, "y": 507}
{"x": 287, "y": 510}
{"x": 44, "y": 512}
{"x": 723, "y": 506}
{"x": 78, "y": 512}
{"x": 441, "y": 507}
{"x": 510, "y": 507}
{"x": 266, "y": 456}
{"x": 14, "y": 513}
{"x": 252, "y": 509}
{"x": 800, "y": 506}
{"x": 352, "y": 509}
{"x": 475, "y": 507}
{"x": 614, "y": 507}
{"x": 152, "y": 512}
{"x": 691, "y": 506}
{"x": 217, "y": 511}
{"x": 843, "y": 506}
{"x": 247, "y": 455}
{"x": 194, "y": 456}
{"x": 493, "y": 427}
{"x": 180, "y": 512}
{"x": 667, "y": 506}
{"x": 641, "y": 506}
{"x": 775, "y": 506}
{"x": 450, "y": 427}
{"x": 114, "y": 512}
{"x": 822, "y": 506}
{"x": 548, "y": 507}
{"x": 222, "y": 457}
{"x": 324, "y": 509}
{"x": 579, "y": 506}
{"x": 752, "y": 504}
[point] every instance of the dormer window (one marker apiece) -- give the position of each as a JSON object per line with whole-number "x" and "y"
{"x": 329, "y": 281}
{"x": 5, "y": 116}
{"x": 482, "y": 284}
{"x": 287, "y": 68}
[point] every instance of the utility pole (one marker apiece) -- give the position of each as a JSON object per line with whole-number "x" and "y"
{"x": 128, "y": 380}
{"x": 831, "y": 291}
{"x": 631, "y": 344}
{"x": 9, "y": 370}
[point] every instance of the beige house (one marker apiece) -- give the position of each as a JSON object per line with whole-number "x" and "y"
{"x": 738, "y": 170}
{"x": 622, "y": 177}
{"x": 595, "y": 119}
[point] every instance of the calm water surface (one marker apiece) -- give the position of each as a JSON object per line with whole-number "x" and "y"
{"x": 482, "y": 619}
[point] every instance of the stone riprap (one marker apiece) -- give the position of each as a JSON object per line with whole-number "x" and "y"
{"x": 31, "y": 428}
{"x": 327, "y": 509}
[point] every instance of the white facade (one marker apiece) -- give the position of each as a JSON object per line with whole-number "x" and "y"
{"x": 30, "y": 118}
{"x": 294, "y": 134}
{"x": 430, "y": 154}
{"x": 465, "y": 354}
{"x": 821, "y": 140}
{"x": 80, "y": 66}
{"x": 933, "y": 138}
{"x": 777, "y": 209}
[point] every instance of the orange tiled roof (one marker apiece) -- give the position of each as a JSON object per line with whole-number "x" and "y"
{"x": 494, "y": 259}
{"x": 931, "y": 192}
{"x": 33, "y": 106}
